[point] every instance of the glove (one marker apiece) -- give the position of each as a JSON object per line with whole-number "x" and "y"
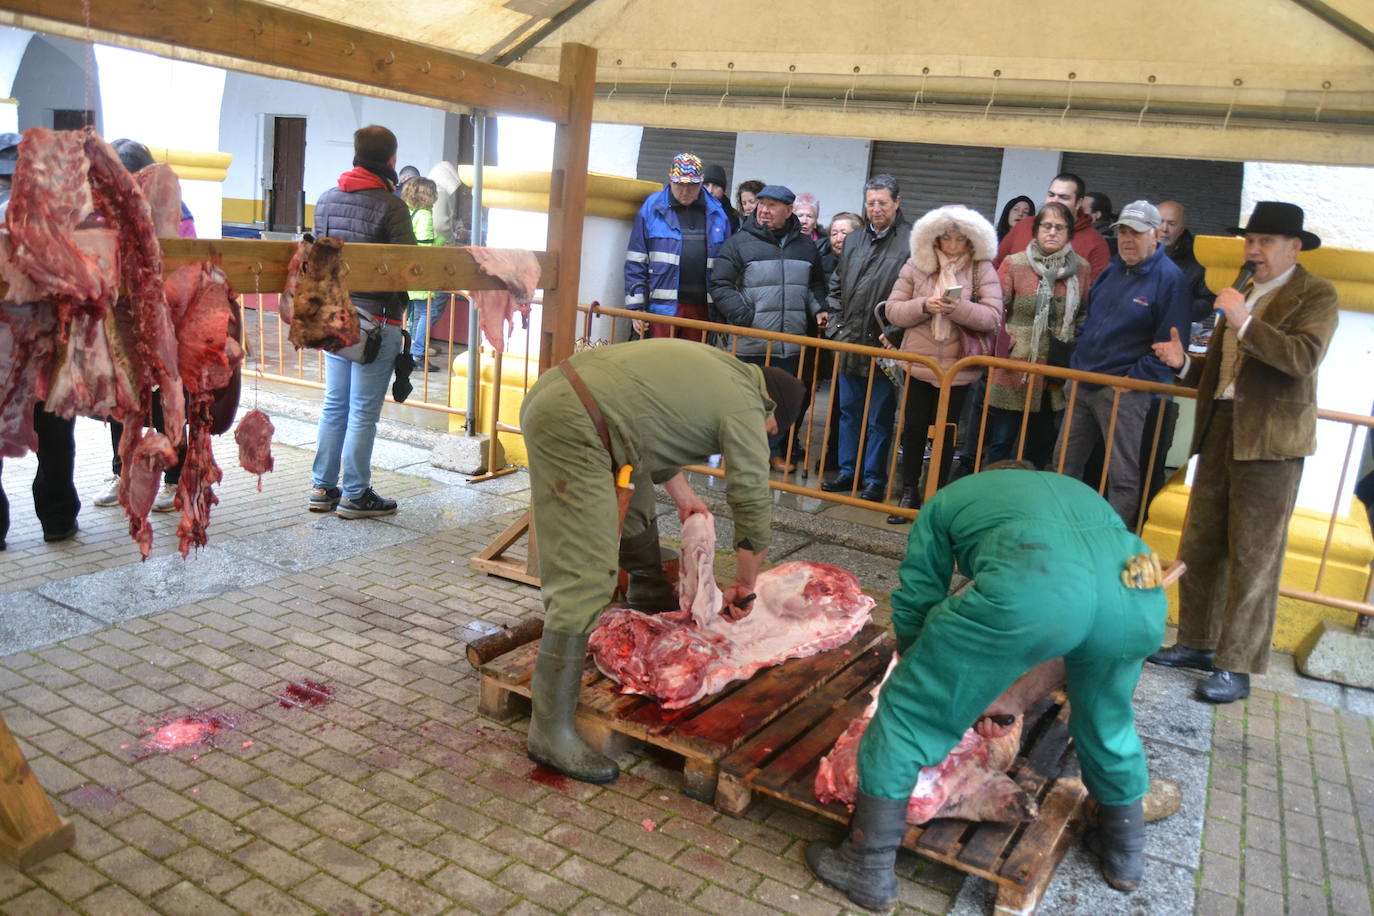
{"x": 1143, "y": 571}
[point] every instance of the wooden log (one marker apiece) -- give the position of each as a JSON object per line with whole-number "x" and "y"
{"x": 481, "y": 651}
{"x": 30, "y": 830}
{"x": 264, "y": 38}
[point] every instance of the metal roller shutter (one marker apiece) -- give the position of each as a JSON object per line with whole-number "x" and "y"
{"x": 660, "y": 144}
{"x": 932, "y": 175}
{"x": 1208, "y": 189}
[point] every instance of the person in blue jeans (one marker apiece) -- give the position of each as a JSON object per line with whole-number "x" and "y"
{"x": 363, "y": 208}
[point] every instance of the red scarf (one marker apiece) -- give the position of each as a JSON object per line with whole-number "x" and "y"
{"x": 360, "y": 179}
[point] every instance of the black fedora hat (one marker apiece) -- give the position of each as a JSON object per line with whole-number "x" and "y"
{"x": 1274, "y": 217}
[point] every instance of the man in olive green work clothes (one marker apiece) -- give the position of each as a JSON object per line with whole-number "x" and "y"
{"x": 666, "y": 403}
{"x": 1256, "y": 422}
{"x": 1046, "y": 555}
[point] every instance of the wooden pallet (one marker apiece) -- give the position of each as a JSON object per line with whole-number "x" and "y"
{"x": 781, "y": 760}
{"x": 702, "y": 733}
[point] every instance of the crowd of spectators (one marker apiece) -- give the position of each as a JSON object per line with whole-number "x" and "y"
{"x": 1074, "y": 284}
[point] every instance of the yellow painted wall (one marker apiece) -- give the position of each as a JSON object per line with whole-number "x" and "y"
{"x": 513, "y": 371}
{"x": 243, "y": 210}
{"x": 1347, "y": 566}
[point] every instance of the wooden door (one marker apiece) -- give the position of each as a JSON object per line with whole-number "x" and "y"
{"x": 288, "y": 174}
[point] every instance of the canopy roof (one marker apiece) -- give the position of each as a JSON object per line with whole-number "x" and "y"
{"x": 1282, "y": 80}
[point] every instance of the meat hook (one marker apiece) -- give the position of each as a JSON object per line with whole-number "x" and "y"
{"x": 383, "y": 268}
{"x": 256, "y": 268}
{"x": 307, "y": 40}
{"x": 208, "y": 15}
{"x": 390, "y": 59}
{"x": 349, "y": 49}
{"x": 426, "y": 67}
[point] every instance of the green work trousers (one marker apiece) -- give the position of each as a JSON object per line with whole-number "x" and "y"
{"x": 1056, "y": 592}
{"x": 575, "y": 516}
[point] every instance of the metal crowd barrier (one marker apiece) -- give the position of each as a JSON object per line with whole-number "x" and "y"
{"x": 817, "y": 353}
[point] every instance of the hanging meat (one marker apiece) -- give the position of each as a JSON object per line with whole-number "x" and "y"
{"x": 970, "y": 783}
{"x": 78, "y": 228}
{"x": 800, "y": 609}
{"x": 518, "y": 269}
{"x": 315, "y": 302}
{"x": 199, "y": 299}
{"x": 254, "y": 437}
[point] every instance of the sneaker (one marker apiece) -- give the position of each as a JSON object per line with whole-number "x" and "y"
{"x": 369, "y": 505}
{"x": 166, "y": 498}
{"x": 324, "y": 499}
{"x": 109, "y": 493}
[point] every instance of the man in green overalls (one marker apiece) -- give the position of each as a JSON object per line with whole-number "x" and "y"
{"x": 1046, "y": 555}
{"x": 638, "y": 411}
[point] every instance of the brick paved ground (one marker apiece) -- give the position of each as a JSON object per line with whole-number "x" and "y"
{"x": 393, "y": 796}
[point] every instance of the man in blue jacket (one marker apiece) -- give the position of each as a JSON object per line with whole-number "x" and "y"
{"x": 673, "y": 243}
{"x": 1133, "y": 305}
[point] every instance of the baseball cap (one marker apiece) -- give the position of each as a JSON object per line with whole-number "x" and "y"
{"x": 686, "y": 169}
{"x": 1140, "y": 215}
{"x": 9, "y": 152}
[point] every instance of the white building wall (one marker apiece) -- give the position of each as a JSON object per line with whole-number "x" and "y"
{"x": 51, "y": 74}
{"x": 615, "y": 149}
{"x": 331, "y": 118}
{"x": 170, "y": 103}
{"x": 1338, "y": 201}
{"x": 834, "y": 169}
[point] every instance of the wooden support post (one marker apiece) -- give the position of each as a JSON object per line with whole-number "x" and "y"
{"x": 568, "y": 204}
{"x": 493, "y": 561}
{"x": 30, "y": 830}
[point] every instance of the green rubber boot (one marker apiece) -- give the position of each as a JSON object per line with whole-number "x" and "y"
{"x": 643, "y": 558}
{"x": 1118, "y": 841}
{"x": 861, "y": 866}
{"x": 554, "y": 689}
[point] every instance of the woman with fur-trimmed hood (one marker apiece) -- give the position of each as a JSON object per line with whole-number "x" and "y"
{"x": 951, "y": 247}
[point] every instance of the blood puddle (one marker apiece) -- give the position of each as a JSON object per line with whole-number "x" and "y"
{"x": 306, "y": 694}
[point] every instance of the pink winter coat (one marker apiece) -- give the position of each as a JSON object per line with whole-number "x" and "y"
{"x": 906, "y": 309}
{"x": 920, "y": 280}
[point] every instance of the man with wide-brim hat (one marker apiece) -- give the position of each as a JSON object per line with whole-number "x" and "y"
{"x": 1256, "y": 422}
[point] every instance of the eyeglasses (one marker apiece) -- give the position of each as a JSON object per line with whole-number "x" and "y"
{"x": 1054, "y": 227}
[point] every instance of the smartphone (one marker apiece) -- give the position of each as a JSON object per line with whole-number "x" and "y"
{"x": 954, "y": 292}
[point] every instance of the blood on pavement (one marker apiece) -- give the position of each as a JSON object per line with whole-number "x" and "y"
{"x": 549, "y": 777}
{"x": 310, "y": 694}
{"x": 192, "y": 730}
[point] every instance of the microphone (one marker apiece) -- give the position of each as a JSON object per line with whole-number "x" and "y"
{"x": 1247, "y": 273}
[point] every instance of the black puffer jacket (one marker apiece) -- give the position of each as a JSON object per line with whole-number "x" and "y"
{"x": 1195, "y": 274}
{"x": 370, "y": 215}
{"x": 868, "y": 269}
{"x": 769, "y": 282}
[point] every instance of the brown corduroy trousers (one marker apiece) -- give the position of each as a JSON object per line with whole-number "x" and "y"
{"x": 1233, "y": 544}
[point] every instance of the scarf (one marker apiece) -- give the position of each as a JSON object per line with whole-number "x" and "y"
{"x": 360, "y": 179}
{"x": 1051, "y": 268}
{"x": 950, "y": 269}
{"x": 383, "y": 175}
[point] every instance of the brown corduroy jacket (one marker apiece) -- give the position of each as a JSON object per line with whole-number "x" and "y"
{"x": 1276, "y": 372}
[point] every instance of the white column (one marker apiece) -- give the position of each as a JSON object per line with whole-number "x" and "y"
{"x": 13, "y": 44}
{"x": 162, "y": 102}
{"x": 1028, "y": 172}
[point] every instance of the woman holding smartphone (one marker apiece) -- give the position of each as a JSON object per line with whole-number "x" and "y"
{"x": 949, "y": 303}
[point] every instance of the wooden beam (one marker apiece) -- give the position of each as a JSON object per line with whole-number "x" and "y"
{"x": 371, "y": 268}
{"x": 258, "y": 266}
{"x": 568, "y": 204}
{"x": 275, "y": 36}
{"x": 30, "y": 830}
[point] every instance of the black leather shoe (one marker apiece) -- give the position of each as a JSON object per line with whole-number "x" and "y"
{"x": 873, "y": 492}
{"x": 64, "y": 534}
{"x": 1178, "y": 656}
{"x": 910, "y": 500}
{"x": 838, "y": 484}
{"x": 1224, "y": 687}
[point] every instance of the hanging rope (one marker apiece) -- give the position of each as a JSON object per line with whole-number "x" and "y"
{"x": 791, "y": 69}
{"x": 1068, "y": 102}
{"x": 1326, "y": 86}
{"x": 996, "y": 75}
{"x": 853, "y": 83}
{"x": 1149, "y": 89}
{"x": 729, "y": 72}
{"x": 1235, "y": 91}
{"x": 921, "y": 93}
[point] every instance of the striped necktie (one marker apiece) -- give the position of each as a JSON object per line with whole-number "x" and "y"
{"x": 1230, "y": 353}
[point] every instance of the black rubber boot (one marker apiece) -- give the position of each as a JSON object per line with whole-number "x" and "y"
{"x": 911, "y": 499}
{"x": 861, "y": 866}
{"x": 554, "y": 689}
{"x": 1118, "y": 841}
{"x": 642, "y": 557}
